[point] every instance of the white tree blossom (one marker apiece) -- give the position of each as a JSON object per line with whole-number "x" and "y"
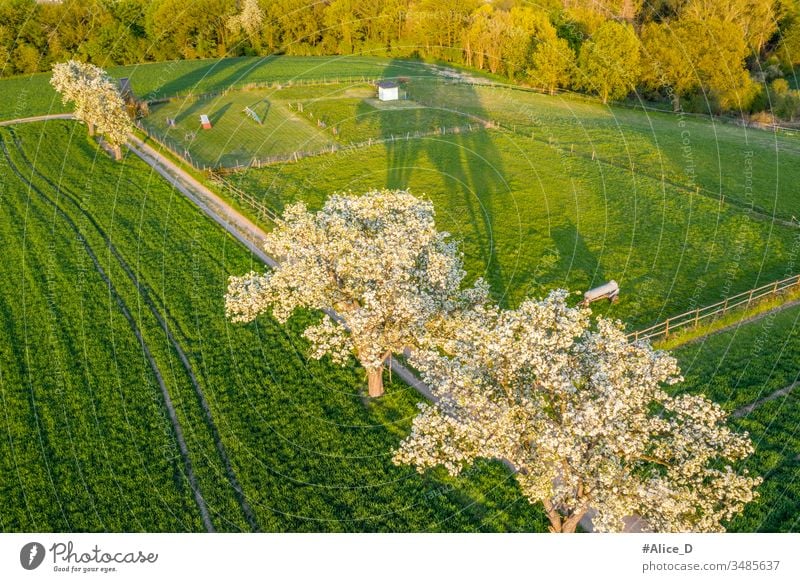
{"x": 582, "y": 415}
{"x": 250, "y": 20}
{"x": 376, "y": 260}
{"x": 97, "y": 99}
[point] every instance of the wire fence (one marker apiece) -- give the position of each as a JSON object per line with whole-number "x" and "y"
{"x": 694, "y": 317}
{"x": 182, "y": 151}
{"x": 154, "y": 98}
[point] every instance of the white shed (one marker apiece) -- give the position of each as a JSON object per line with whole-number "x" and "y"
{"x": 388, "y": 91}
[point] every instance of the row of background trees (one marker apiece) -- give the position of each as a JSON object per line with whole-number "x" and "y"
{"x": 726, "y": 54}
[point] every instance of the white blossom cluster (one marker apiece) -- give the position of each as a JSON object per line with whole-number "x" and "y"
{"x": 250, "y": 19}
{"x": 97, "y": 99}
{"x": 376, "y": 259}
{"x": 582, "y": 414}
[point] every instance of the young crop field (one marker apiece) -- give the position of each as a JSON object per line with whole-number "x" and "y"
{"x": 569, "y": 193}
{"x": 111, "y": 309}
{"x": 741, "y": 367}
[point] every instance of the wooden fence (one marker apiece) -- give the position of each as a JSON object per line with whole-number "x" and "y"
{"x": 263, "y": 212}
{"x": 710, "y": 312}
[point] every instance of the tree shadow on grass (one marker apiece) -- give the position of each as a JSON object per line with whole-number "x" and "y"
{"x": 474, "y": 193}
{"x": 219, "y": 113}
{"x": 231, "y": 71}
{"x": 577, "y": 260}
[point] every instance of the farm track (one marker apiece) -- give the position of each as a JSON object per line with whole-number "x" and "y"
{"x": 250, "y": 236}
{"x": 201, "y": 504}
{"x": 246, "y": 232}
{"x": 146, "y": 293}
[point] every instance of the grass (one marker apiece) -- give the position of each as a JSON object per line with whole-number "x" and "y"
{"x": 739, "y": 367}
{"x": 307, "y": 451}
{"x": 308, "y": 118}
{"x": 533, "y": 214}
{"x": 235, "y": 137}
{"x": 32, "y": 94}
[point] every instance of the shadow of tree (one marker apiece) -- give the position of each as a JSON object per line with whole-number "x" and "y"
{"x": 469, "y": 164}
{"x": 213, "y": 76}
{"x": 576, "y": 256}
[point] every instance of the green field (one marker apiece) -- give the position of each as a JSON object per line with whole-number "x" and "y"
{"x": 299, "y": 118}
{"x": 235, "y": 138}
{"x": 84, "y": 416}
{"x": 740, "y": 367}
{"x": 33, "y": 95}
{"x": 559, "y": 192}
{"x": 570, "y": 193}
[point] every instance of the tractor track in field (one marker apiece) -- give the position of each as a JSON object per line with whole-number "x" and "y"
{"x": 251, "y": 236}
{"x": 201, "y": 504}
{"x": 748, "y": 408}
{"x": 146, "y": 293}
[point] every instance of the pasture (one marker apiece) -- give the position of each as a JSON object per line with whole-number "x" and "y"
{"x": 737, "y": 368}
{"x": 568, "y": 193}
{"x": 275, "y": 442}
{"x": 33, "y": 95}
{"x": 542, "y": 192}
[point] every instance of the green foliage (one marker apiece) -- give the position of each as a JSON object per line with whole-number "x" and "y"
{"x": 608, "y": 63}
{"x": 552, "y": 65}
{"x": 501, "y": 37}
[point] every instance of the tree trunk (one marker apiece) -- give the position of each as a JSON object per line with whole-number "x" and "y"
{"x": 676, "y": 102}
{"x": 91, "y": 128}
{"x": 557, "y": 522}
{"x": 117, "y": 152}
{"x": 375, "y": 381}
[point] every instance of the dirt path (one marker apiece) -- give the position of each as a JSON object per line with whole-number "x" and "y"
{"x": 252, "y": 237}
{"x": 37, "y": 118}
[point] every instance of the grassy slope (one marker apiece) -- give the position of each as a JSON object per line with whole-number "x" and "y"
{"x": 33, "y": 95}
{"x": 741, "y": 366}
{"x": 533, "y": 213}
{"x": 235, "y": 137}
{"x": 308, "y": 452}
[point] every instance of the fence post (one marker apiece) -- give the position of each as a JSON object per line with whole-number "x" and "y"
{"x": 725, "y": 307}
{"x": 696, "y": 317}
{"x": 666, "y": 328}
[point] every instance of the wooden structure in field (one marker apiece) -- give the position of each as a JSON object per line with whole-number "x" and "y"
{"x": 205, "y": 122}
{"x": 388, "y": 91}
{"x": 253, "y": 115}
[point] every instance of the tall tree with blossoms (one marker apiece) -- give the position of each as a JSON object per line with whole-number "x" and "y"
{"x": 250, "y": 21}
{"x": 97, "y": 99}
{"x": 583, "y": 416}
{"x": 376, "y": 260}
